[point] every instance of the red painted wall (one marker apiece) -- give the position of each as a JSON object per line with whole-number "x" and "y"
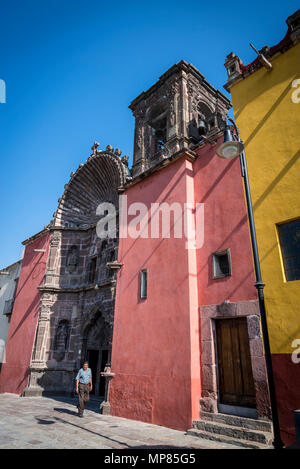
{"x": 287, "y": 385}
{"x": 21, "y": 334}
{"x": 219, "y": 185}
{"x": 155, "y": 353}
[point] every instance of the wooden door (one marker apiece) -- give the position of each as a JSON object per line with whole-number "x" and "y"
{"x": 236, "y": 385}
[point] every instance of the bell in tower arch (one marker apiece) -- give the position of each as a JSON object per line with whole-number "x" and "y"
{"x": 202, "y": 127}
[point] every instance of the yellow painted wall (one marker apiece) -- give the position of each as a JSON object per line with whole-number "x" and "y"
{"x": 269, "y": 124}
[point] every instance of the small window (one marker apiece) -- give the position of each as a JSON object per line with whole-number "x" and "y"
{"x": 143, "y": 286}
{"x": 221, "y": 264}
{"x": 15, "y": 287}
{"x": 289, "y": 238}
{"x": 93, "y": 268}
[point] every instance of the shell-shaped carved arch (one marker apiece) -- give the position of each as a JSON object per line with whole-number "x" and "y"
{"x": 96, "y": 181}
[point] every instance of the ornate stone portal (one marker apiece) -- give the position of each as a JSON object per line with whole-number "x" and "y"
{"x": 77, "y": 303}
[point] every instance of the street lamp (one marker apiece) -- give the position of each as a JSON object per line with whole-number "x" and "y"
{"x": 231, "y": 148}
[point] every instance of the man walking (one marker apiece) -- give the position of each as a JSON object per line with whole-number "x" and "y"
{"x": 83, "y": 387}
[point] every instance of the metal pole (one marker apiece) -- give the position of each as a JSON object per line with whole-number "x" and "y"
{"x": 259, "y": 285}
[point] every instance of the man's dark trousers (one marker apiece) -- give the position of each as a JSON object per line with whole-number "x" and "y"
{"x": 83, "y": 395}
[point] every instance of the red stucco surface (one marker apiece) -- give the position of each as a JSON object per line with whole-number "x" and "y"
{"x": 219, "y": 185}
{"x": 14, "y": 373}
{"x": 287, "y": 385}
{"x": 157, "y": 365}
{"x": 156, "y": 343}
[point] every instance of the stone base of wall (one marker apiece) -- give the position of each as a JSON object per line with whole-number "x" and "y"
{"x": 38, "y": 392}
{"x": 250, "y": 310}
{"x": 50, "y": 382}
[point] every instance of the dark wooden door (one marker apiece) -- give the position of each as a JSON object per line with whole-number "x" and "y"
{"x": 104, "y": 359}
{"x": 236, "y": 385}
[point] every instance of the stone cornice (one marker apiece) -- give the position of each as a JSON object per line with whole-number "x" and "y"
{"x": 189, "y": 154}
{"x": 181, "y": 66}
{"x": 53, "y": 289}
{"x": 36, "y": 236}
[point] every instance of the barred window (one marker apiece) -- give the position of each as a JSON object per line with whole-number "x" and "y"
{"x": 143, "y": 285}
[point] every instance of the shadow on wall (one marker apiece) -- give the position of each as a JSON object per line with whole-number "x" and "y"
{"x": 257, "y": 91}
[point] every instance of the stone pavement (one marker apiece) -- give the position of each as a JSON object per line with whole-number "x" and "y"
{"x": 43, "y": 422}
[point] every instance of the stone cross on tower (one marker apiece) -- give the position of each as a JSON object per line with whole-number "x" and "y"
{"x": 94, "y": 148}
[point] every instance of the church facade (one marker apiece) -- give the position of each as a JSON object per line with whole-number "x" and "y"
{"x": 74, "y": 291}
{"x": 174, "y": 313}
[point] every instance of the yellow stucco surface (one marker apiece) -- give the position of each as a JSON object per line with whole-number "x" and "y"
{"x": 269, "y": 124}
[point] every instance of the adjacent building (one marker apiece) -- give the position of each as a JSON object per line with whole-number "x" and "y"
{"x": 9, "y": 277}
{"x": 266, "y": 104}
{"x": 26, "y": 309}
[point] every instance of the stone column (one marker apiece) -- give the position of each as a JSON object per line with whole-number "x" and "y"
{"x": 38, "y": 359}
{"x": 105, "y": 405}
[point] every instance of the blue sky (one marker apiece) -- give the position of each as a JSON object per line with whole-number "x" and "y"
{"x": 71, "y": 69}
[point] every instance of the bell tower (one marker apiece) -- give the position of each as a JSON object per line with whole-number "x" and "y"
{"x": 174, "y": 114}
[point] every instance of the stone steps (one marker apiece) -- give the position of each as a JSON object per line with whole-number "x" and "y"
{"x": 238, "y": 431}
{"x": 234, "y": 420}
{"x": 243, "y": 444}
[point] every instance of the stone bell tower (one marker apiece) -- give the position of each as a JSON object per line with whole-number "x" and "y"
{"x": 173, "y": 115}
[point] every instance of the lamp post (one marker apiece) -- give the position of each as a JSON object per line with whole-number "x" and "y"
{"x": 228, "y": 150}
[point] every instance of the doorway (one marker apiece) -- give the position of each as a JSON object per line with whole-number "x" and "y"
{"x": 236, "y": 384}
{"x": 93, "y": 358}
{"x": 97, "y": 361}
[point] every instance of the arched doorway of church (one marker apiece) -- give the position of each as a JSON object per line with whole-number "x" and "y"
{"x": 97, "y": 351}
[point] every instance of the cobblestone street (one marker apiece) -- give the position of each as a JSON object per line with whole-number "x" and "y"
{"x": 40, "y": 422}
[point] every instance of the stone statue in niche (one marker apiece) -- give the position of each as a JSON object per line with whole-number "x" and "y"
{"x": 61, "y": 340}
{"x": 124, "y": 160}
{"x": 172, "y": 114}
{"x": 72, "y": 259}
{"x": 139, "y": 139}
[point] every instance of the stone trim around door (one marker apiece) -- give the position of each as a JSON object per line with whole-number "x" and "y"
{"x": 250, "y": 310}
